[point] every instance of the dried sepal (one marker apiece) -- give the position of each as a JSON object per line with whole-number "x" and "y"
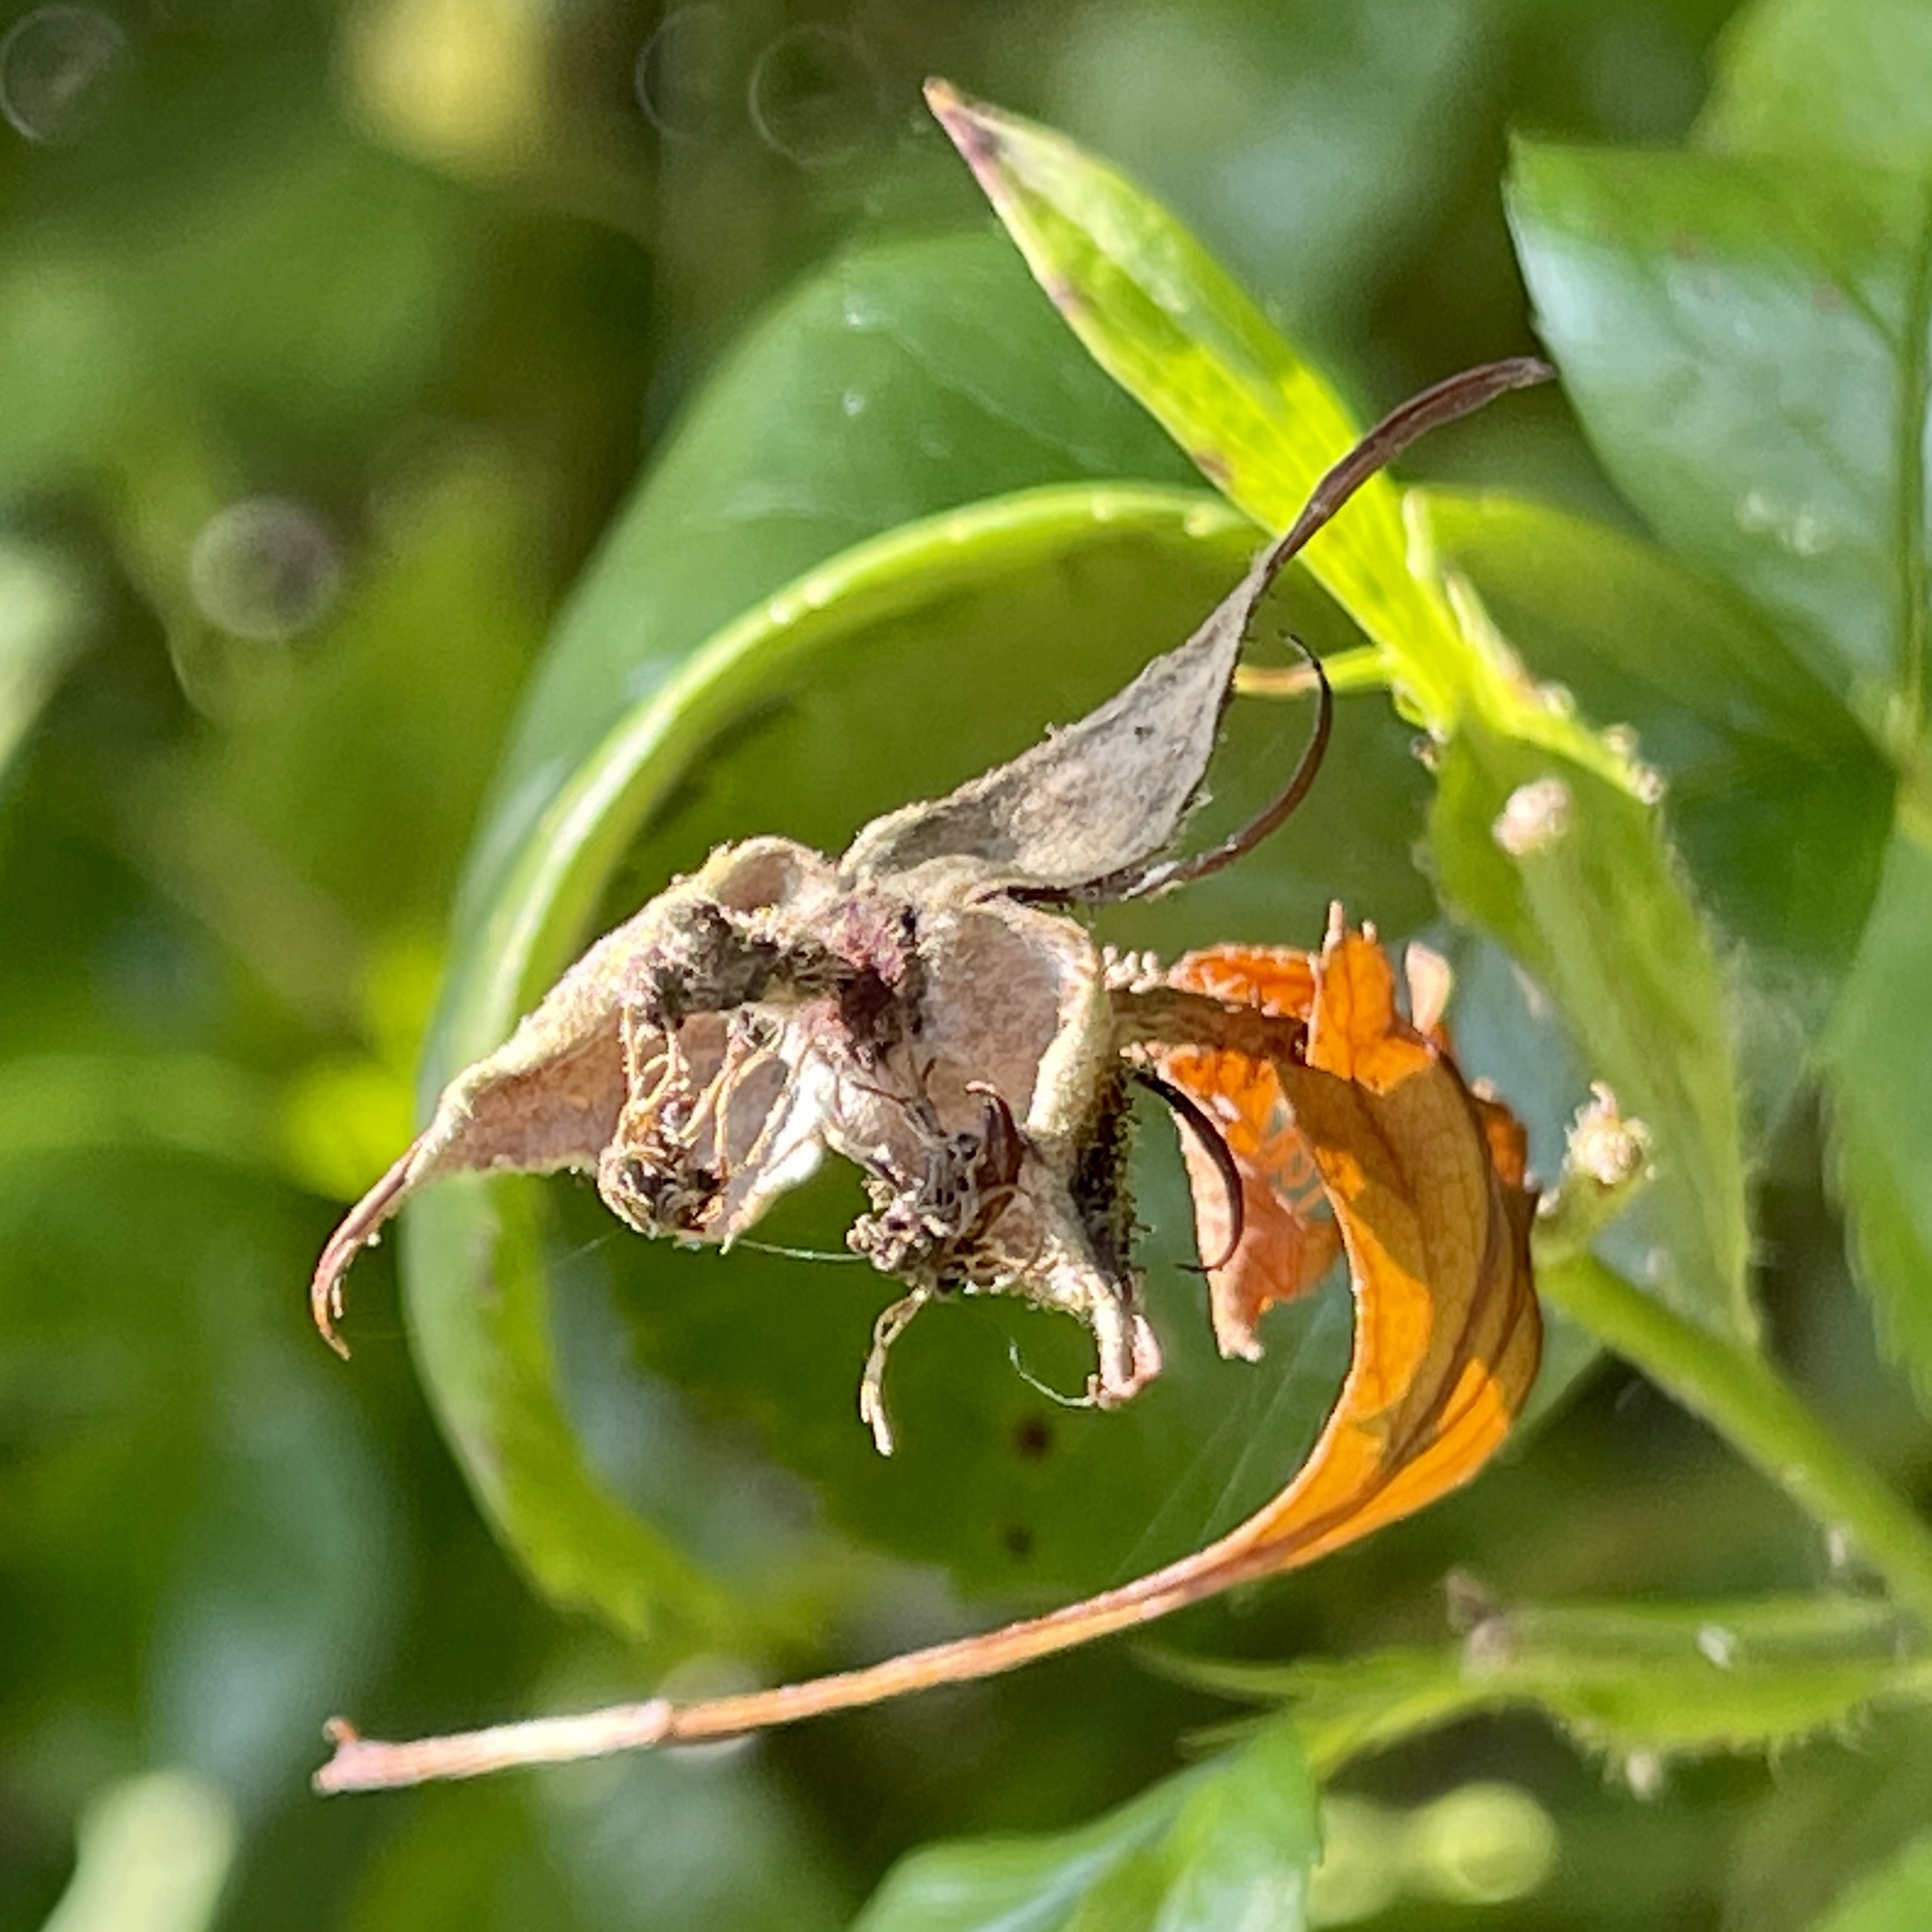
{"x": 555, "y": 1096}
{"x": 1086, "y": 814}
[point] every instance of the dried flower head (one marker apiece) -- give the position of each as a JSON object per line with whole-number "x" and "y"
{"x": 915, "y": 1009}
{"x": 930, "y": 1009}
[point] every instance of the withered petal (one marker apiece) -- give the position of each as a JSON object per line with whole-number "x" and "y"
{"x": 1099, "y": 796}
{"x": 1426, "y": 1183}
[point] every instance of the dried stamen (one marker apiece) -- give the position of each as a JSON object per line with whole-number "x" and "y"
{"x": 887, "y": 1329}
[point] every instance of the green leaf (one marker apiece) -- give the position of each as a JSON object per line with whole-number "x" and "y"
{"x": 1746, "y": 343}
{"x": 1019, "y": 1885}
{"x": 1243, "y": 1846}
{"x": 806, "y": 718}
{"x": 1777, "y": 806}
{"x": 1879, "y": 1083}
{"x": 1229, "y": 1843}
{"x": 1669, "y": 1678}
{"x": 1166, "y": 322}
{"x": 1842, "y": 78}
{"x": 1896, "y": 1900}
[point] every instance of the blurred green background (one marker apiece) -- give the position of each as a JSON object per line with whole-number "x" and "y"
{"x": 331, "y": 337}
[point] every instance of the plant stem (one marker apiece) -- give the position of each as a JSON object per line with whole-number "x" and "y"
{"x": 1742, "y": 1397}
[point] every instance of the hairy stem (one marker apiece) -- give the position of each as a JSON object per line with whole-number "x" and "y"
{"x": 1743, "y": 1397}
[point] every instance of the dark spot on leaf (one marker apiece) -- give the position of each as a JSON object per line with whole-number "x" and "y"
{"x": 1214, "y": 466}
{"x": 1033, "y": 1438}
{"x": 1828, "y": 296}
{"x": 1018, "y": 1540}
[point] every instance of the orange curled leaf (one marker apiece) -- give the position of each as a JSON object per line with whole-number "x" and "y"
{"x": 1426, "y": 1184}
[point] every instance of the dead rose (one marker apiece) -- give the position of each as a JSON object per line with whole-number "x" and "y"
{"x": 930, "y": 1007}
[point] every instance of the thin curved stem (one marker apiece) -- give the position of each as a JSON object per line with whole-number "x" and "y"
{"x": 1744, "y": 1399}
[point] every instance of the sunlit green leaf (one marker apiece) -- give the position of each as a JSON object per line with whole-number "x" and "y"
{"x": 1166, "y": 322}
{"x": 1747, "y": 342}
{"x": 1028, "y": 1885}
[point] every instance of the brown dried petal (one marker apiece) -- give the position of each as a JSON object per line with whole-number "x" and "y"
{"x": 1101, "y": 796}
{"x": 702, "y": 1057}
{"x": 1085, "y": 811}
